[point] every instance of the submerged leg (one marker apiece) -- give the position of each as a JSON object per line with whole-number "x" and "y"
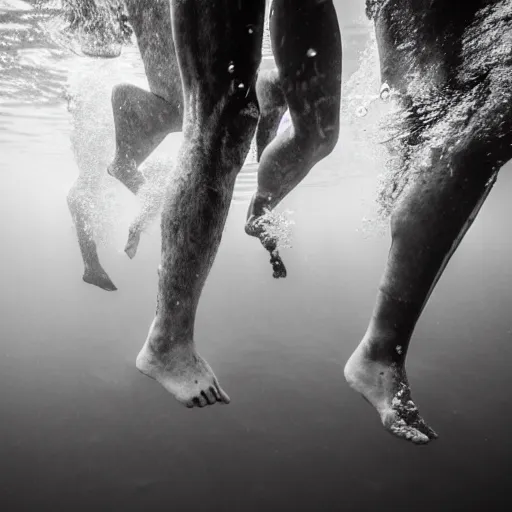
{"x": 80, "y": 197}
{"x": 143, "y": 119}
{"x": 464, "y": 98}
{"x": 221, "y": 113}
{"x": 151, "y": 197}
{"x": 426, "y": 229}
{"x": 272, "y": 108}
{"x": 307, "y": 46}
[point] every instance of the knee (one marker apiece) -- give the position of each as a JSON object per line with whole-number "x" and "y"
{"x": 320, "y": 142}
{"x": 243, "y": 113}
{"x": 316, "y": 132}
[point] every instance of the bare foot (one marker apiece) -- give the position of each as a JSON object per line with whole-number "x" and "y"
{"x": 385, "y": 387}
{"x": 277, "y": 265}
{"x": 133, "y": 242}
{"x": 256, "y": 227}
{"x": 183, "y": 373}
{"x": 98, "y": 277}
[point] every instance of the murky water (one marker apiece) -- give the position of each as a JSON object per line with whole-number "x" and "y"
{"x": 82, "y": 430}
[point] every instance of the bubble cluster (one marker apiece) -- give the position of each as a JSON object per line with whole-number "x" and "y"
{"x": 436, "y": 121}
{"x": 277, "y": 226}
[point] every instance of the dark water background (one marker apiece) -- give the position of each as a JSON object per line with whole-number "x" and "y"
{"x": 82, "y": 430}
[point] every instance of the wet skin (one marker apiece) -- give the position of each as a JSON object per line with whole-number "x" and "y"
{"x": 442, "y": 44}
{"x": 142, "y": 120}
{"x": 306, "y": 43}
{"x": 427, "y": 225}
{"x": 220, "y": 117}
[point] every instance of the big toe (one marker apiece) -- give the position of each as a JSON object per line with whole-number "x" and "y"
{"x": 199, "y": 401}
{"x": 106, "y": 284}
{"x": 428, "y": 431}
{"x": 222, "y": 395}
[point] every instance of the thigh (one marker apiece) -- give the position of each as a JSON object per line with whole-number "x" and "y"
{"x": 151, "y": 22}
{"x": 422, "y": 38}
{"x": 218, "y": 41}
{"x": 307, "y": 46}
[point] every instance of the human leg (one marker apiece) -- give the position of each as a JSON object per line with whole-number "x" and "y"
{"x": 218, "y": 45}
{"x": 80, "y": 197}
{"x": 307, "y": 47}
{"x": 426, "y": 229}
{"x": 143, "y": 119}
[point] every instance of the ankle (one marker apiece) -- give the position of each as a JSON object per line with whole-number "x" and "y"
{"x": 163, "y": 338}
{"x": 385, "y": 346}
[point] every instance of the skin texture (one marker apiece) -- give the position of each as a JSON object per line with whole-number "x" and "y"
{"x": 142, "y": 120}
{"x": 434, "y": 43}
{"x": 306, "y": 43}
{"x": 446, "y": 47}
{"x": 220, "y": 117}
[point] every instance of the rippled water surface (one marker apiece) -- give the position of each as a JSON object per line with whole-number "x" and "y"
{"x": 82, "y": 430}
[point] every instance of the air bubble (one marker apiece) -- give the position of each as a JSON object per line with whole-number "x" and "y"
{"x": 384, "y": 92}
{"x": 277, "y": 226}
{"x": 361, "y": 111}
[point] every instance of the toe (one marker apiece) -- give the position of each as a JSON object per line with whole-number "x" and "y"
{"x": 109, "y": 286}
{"x": 428, "y": 431}
{"x": 209, "y": 397}
{"x": 200, "y": 401}
{"x": 101, "y": 280}
{"x": 224, "y": 398}
{"x": 215, "y": 393}
{"x": 417, "y": 437}
{"x": 408, "y": 433}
